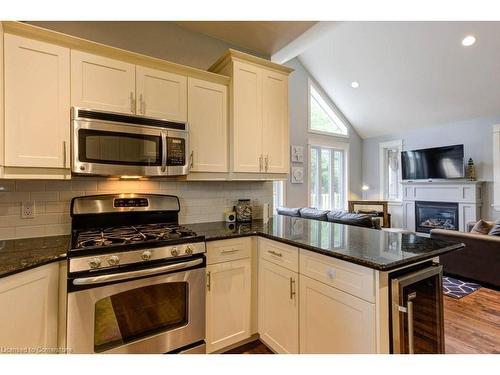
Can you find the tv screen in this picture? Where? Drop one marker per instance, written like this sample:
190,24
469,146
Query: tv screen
439,162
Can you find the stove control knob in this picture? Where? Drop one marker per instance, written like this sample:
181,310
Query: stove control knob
174,251
146,255
189,249
95,263
113,260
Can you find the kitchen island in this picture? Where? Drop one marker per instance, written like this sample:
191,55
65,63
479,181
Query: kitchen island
307,286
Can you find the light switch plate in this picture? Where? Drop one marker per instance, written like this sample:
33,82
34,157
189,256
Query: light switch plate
28,210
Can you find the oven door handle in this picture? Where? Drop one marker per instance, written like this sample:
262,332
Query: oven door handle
163,151
134,274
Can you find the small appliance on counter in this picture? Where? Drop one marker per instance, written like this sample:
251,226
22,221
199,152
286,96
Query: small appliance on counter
243,210
230,216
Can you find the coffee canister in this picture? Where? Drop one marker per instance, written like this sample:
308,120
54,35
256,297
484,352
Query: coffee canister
243,210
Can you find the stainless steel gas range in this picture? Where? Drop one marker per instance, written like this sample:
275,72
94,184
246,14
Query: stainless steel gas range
136,279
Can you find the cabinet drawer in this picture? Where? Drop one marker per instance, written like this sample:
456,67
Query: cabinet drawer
279,253
226,250
351,278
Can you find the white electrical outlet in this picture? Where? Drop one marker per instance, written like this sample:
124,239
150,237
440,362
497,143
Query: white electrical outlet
28,210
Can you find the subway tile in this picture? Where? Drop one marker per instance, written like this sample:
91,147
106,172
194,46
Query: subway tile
58,185
14,197
7,234
45,196
57,229
53,207
68,195
84,185
10,209
30,185
7,186
30,231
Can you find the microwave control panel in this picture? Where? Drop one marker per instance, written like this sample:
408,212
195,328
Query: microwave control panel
176,151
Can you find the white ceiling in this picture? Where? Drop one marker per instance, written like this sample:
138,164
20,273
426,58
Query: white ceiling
411,74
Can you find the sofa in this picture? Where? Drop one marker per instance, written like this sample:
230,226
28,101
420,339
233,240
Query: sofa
333,216
479,261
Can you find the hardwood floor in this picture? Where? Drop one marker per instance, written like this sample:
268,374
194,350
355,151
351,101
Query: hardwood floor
254,347
472,323
471,326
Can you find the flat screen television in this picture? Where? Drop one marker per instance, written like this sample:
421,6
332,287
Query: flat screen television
433,163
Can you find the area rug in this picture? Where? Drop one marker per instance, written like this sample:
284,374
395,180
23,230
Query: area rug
457,288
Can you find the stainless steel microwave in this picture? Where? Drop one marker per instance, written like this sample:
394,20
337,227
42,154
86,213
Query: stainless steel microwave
119,145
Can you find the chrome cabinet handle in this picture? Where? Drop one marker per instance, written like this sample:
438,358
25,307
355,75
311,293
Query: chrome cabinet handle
292,288
142,107
229,251
411,336
272,252
260,163
191,159
134,274
209,281
64,154
266,163
132,102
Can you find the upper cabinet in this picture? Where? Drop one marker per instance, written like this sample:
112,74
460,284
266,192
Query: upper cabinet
259,113
37,106
111,85
101,83
207,118
161,94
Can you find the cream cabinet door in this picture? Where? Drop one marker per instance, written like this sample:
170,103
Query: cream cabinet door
335,322
101,83
247,118
278,308
275,133
29,308
161,94
37,109
207,118
228,303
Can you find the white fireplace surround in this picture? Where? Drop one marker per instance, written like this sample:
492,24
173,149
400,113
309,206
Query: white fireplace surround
468,195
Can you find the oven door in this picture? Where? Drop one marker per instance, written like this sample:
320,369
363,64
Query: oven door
157,314
110,149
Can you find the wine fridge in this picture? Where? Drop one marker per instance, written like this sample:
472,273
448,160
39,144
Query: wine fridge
417,311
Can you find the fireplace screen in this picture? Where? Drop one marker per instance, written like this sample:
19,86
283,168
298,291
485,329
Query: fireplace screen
436,215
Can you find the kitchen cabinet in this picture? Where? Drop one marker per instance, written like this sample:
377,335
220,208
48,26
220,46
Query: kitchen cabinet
332,321
278,307
99,82
37,106
228,295
259,141
207,119
29,308
161,94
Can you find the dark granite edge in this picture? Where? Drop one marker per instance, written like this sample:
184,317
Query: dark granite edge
38,263
359,261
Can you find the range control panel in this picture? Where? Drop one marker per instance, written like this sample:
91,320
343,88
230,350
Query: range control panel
130,202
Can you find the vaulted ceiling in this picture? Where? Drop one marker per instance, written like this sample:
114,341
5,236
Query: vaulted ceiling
410,74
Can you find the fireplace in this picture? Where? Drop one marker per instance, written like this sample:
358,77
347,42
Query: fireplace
435,215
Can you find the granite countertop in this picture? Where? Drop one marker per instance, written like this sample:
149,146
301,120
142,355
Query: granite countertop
23,254
377,249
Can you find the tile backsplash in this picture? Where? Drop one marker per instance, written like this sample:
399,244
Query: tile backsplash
200,201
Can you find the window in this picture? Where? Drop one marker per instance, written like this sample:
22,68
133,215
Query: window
322,116
327,173
390,170
278,195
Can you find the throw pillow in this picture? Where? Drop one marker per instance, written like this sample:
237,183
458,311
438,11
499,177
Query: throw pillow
481,227
495,231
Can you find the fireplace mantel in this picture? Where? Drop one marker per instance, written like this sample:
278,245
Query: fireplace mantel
468,195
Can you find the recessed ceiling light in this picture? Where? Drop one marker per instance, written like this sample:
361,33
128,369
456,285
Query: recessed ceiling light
468,41
354,85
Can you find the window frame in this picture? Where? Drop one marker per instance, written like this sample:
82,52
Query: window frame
282,194
332,107
383,147
344,146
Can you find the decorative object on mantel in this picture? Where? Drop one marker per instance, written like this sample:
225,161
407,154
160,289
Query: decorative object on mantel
297,175
471,170
297,154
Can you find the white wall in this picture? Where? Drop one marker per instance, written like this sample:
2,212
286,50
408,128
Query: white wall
297,194
475,135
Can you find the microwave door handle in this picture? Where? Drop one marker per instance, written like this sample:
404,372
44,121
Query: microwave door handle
163,151
134,274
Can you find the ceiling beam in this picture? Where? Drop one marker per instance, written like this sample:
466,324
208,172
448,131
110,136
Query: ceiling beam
300,44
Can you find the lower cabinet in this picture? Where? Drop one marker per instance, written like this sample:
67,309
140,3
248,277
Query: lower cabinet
228,303
332,321
29,309
278,307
